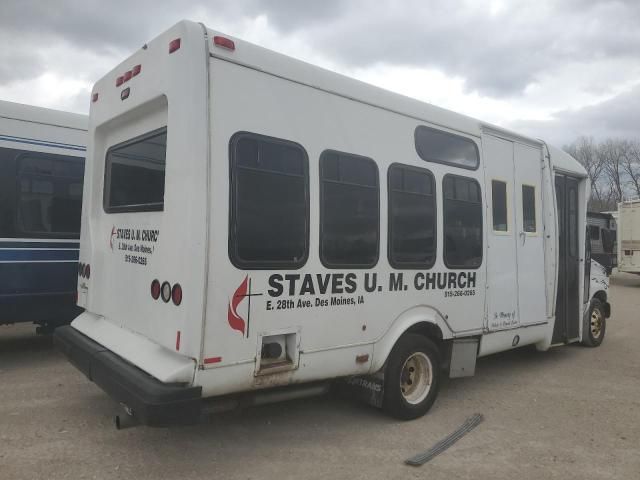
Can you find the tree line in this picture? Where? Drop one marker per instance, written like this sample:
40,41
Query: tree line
613,165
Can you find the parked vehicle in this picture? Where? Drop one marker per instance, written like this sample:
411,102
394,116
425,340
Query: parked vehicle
602,236
629,236
251,221
41,170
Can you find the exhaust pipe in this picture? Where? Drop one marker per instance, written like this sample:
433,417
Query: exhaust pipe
125,421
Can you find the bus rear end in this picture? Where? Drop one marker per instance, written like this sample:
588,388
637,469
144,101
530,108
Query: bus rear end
143,233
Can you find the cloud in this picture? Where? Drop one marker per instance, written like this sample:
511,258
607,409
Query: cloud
618,117
511,62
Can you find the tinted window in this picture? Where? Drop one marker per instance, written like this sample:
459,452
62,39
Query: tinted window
412,217
499,205
594,232
349,210
442,147
134,174
269,202
462,212
528,208
49,194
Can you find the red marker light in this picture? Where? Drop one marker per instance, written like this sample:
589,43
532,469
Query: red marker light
128,75
94,97
224,43
119,81
155,289
174,45
176,294
136,70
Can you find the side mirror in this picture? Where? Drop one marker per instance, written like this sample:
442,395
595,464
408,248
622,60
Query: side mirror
607,240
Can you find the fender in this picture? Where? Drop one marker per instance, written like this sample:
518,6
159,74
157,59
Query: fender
420,314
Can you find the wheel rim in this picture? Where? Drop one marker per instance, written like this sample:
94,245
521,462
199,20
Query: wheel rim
596,323
415,378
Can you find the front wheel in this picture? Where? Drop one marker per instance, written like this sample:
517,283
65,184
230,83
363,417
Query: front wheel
411,377
595,325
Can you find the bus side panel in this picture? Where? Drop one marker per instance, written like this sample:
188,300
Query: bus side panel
245,305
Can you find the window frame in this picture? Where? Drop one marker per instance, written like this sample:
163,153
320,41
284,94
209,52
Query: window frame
424,156
535,232
232,244
482,229
106,192
508,231
323,260
411,265
19,231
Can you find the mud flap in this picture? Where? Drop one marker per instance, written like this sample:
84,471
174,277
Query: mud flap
366,388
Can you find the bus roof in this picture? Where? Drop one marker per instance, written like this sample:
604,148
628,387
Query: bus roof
30,113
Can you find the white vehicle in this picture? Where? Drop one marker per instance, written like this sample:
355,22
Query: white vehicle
629,236
252,221
41,170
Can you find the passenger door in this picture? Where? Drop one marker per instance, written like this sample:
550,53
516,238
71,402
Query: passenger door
530,234
567,324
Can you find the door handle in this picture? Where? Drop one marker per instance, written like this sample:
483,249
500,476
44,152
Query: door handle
523,237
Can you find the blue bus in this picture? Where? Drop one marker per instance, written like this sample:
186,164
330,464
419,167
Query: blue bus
41,175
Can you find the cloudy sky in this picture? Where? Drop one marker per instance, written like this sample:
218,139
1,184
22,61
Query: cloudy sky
551,69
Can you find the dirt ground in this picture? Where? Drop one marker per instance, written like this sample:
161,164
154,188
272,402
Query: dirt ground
572,412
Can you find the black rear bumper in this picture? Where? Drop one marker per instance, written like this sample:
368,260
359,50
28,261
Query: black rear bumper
151,402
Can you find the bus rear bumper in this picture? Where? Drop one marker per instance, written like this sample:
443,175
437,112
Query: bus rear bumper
149,401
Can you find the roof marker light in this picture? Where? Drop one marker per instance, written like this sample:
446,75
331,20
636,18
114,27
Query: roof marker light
224,42
119,81
128,75
174,45
94,97
136,70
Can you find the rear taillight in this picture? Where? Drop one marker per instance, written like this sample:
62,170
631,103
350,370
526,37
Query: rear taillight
176,294
155,289
174,45
119,81
165,292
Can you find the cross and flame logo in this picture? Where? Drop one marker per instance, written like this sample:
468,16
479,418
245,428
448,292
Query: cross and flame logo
235,320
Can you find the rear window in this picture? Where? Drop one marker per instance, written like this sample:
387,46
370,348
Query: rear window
134,174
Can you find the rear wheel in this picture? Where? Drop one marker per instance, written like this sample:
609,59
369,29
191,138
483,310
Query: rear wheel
411,377
595,325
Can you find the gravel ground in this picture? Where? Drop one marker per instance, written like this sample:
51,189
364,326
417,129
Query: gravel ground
572,412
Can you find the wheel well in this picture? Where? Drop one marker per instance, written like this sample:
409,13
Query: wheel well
429,330
600,295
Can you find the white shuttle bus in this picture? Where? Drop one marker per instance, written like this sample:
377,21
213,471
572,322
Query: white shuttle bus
629,236
252,222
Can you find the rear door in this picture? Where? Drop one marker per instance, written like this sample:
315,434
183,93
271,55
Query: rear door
529,229
502,267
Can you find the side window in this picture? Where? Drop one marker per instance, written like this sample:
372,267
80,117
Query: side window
529,208
499,206
462,212
412,217
443,147
594,232
349,210
269,214
49,195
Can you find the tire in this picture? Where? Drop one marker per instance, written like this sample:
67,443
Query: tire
595,325
411,377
